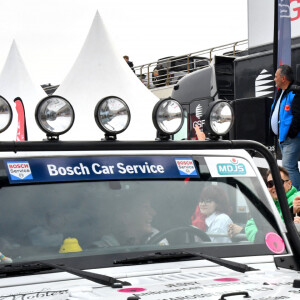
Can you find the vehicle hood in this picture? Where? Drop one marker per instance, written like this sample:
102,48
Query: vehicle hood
168,284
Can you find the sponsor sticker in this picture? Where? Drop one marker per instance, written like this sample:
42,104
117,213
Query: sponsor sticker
19,170
132,290
274,242
53,169
234,167
226,279
186,166
229,167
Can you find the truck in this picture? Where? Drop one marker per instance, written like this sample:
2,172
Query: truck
110,219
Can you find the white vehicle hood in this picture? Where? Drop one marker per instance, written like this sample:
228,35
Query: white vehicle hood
170,284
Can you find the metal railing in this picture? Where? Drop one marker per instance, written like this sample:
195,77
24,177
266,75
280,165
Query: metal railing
167,71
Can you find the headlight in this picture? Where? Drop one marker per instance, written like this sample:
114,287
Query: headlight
5,114
167,116
219,118
54,115
112,115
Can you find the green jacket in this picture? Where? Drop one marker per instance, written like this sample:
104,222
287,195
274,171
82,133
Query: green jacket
251,228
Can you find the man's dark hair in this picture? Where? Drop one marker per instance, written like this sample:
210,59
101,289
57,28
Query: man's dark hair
281,169
287,71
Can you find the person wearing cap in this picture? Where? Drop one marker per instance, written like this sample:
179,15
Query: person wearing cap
291,194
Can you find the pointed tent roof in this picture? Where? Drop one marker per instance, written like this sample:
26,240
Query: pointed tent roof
98,72
15,81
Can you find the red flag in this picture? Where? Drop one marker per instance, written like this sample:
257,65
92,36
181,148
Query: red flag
21,130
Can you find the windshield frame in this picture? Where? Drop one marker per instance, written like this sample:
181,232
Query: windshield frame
90,263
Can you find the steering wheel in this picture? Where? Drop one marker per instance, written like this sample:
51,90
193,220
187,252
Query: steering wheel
192,230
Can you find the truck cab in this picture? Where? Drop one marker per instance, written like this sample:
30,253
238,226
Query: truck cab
113,219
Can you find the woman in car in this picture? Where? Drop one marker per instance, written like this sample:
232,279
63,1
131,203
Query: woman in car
214,204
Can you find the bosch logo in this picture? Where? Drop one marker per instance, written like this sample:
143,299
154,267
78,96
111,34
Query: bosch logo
19,170
186,167
185,162
18,166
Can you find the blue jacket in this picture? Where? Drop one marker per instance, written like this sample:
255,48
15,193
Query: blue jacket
289,115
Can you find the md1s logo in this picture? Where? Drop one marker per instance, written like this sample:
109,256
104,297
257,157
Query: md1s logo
232,168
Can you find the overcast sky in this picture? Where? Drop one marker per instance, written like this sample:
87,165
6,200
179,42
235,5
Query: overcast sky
50,33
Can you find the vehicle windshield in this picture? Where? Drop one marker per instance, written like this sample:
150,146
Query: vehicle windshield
62,218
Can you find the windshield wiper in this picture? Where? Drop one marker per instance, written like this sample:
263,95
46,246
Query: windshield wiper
31,268
162,257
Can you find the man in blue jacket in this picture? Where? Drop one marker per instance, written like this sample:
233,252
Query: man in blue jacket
285,122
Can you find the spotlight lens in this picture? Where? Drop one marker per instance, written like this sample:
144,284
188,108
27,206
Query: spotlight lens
221,118
55,115
112,115
169,116
5,114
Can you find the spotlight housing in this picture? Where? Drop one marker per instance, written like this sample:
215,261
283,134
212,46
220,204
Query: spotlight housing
55,116
219,118
112,116
167,117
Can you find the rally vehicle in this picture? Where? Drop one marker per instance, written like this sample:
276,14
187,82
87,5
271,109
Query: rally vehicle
113,219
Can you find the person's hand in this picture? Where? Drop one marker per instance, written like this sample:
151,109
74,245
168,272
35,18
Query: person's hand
296,205
296,219
200,134
234,229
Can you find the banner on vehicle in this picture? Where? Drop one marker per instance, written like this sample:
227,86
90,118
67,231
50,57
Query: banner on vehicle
99,168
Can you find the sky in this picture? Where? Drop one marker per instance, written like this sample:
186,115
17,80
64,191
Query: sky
50,33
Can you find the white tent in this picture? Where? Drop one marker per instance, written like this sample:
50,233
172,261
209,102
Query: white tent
15,81
98,72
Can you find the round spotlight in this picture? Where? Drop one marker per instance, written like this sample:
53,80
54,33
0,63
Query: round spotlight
219,118
5,114
167,116
112,115
54,115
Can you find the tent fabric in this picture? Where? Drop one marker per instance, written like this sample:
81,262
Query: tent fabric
98,72
15,81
